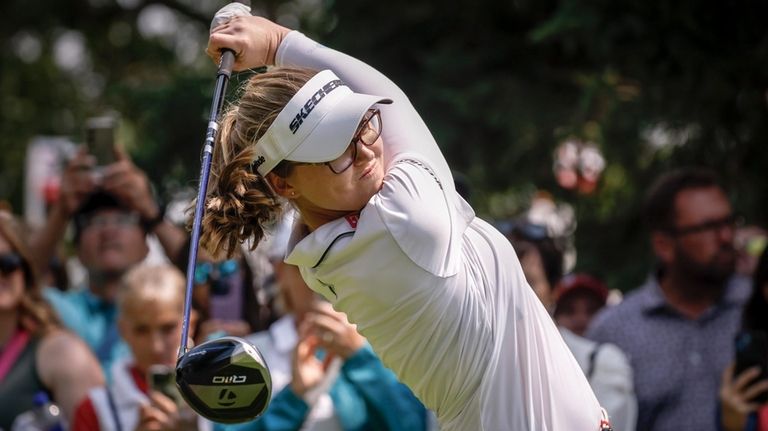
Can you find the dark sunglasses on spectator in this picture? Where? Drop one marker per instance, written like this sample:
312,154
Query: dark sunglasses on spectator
728,221
122,219
9,263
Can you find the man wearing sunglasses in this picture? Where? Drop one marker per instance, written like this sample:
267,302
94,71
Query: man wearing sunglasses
678,328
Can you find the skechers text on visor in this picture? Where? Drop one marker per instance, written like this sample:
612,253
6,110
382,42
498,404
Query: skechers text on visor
317,124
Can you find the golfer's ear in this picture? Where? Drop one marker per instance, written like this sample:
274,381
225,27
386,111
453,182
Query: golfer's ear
281,186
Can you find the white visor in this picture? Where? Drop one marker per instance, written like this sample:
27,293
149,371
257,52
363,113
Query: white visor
317,124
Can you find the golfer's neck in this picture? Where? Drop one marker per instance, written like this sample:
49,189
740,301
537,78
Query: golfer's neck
315,217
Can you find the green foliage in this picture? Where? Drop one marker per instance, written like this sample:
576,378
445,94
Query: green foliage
499,83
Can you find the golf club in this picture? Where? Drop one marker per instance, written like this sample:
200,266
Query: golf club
225,380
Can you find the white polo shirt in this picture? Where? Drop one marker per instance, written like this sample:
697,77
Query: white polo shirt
439,293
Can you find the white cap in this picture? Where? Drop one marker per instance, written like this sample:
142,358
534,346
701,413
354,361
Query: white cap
316,125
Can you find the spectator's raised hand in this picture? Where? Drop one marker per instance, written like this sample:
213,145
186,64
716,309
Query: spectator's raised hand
130,185
737,396
307,369
162,413
77,182
333,330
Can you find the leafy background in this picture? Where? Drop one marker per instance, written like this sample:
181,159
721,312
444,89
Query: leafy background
654,84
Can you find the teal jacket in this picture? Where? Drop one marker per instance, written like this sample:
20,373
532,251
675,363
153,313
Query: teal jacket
93,320
366,396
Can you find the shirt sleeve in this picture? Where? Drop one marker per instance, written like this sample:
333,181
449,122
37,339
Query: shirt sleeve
426,222
85,418
390,401
403,129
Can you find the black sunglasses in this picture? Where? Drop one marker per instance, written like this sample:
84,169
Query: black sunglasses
9,263
712,225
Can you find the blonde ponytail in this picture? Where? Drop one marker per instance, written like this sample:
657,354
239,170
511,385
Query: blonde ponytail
239,204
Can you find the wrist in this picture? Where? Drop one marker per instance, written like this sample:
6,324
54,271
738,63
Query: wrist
60,213
151,221
276,44
298,390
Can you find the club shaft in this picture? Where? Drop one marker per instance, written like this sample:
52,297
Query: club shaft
222,77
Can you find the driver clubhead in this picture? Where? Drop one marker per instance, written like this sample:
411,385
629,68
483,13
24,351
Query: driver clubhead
225,380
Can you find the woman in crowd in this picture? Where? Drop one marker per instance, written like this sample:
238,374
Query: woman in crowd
35,355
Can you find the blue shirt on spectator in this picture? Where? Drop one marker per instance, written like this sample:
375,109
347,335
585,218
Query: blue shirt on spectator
678,362
92,319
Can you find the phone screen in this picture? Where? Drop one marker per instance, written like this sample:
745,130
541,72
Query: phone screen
752,351
100,139
162,379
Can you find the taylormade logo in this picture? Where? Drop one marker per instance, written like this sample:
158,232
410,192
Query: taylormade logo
229,379
313,101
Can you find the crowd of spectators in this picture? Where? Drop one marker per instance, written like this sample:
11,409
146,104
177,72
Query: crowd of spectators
661,358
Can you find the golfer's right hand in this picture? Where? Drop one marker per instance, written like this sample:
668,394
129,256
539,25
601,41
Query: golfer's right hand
253,39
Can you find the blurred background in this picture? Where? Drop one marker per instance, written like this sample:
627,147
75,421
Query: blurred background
581,101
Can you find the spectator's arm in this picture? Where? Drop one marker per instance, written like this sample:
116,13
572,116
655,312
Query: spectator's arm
68,369
132,188
391,401
77,182
174,241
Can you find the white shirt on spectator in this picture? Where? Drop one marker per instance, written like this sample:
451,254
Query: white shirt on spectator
610,376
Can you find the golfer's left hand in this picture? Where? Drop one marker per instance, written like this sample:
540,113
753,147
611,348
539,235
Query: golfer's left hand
253,39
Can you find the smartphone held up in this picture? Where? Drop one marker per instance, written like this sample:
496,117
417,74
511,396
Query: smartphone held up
752,351
162,378
100,138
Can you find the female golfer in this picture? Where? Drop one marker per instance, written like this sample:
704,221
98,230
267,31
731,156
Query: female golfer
384,236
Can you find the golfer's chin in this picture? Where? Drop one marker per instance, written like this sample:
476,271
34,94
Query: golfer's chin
367,191
358,202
